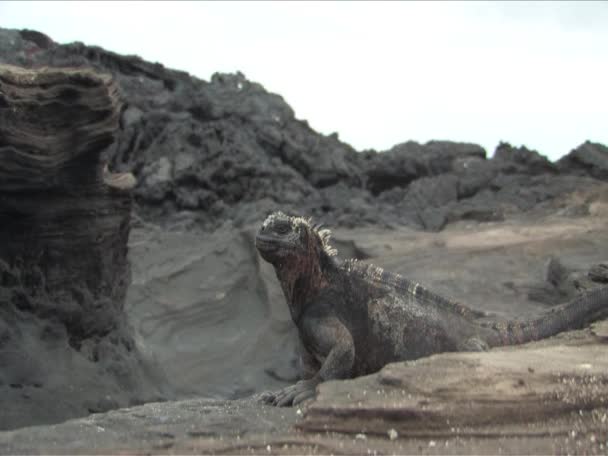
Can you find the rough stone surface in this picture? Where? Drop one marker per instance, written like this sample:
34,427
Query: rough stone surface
65,345
209,310
555,390
229,149
544,398
589,159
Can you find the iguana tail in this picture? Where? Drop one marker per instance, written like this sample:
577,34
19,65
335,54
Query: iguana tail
577,313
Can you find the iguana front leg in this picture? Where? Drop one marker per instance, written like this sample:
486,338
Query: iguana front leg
330,342
308,365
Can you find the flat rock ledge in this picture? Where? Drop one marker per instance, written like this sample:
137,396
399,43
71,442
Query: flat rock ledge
548,397
65,347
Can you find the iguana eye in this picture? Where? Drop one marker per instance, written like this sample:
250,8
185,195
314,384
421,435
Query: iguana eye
283,228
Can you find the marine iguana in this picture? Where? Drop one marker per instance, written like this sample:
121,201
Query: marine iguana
355,318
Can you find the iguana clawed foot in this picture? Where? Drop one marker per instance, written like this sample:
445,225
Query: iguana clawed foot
291,395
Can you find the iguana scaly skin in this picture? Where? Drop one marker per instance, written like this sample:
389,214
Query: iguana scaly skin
355,318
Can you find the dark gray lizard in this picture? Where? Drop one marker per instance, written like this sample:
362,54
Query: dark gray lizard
355,318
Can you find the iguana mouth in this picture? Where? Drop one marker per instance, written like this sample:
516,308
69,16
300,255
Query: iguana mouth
266,244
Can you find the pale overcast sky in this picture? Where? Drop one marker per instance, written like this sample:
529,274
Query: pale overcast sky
377,73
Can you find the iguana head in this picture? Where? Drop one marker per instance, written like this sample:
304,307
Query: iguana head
282,238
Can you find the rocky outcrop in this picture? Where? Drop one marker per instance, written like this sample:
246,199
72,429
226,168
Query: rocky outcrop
65,347
229,149
405,163
590,159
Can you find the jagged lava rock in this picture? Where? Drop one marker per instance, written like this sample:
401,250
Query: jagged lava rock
229,149
409,161
65,346
589,159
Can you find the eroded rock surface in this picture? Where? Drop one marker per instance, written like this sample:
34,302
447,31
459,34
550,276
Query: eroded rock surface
65,346
211,311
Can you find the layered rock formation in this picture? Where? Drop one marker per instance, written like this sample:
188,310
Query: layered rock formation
65,346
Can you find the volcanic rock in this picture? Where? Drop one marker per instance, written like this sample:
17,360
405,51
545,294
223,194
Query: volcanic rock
227,149
589,159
